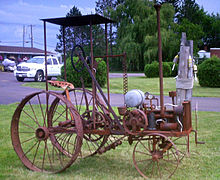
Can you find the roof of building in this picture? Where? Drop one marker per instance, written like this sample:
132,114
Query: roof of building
79,20
214,49
203,54
22,50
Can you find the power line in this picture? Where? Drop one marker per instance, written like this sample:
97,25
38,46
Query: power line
22,24
12,41
43,44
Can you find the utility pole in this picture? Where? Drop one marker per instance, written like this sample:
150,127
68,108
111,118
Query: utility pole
32,43
23,35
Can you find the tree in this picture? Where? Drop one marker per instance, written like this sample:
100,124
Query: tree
211,28
80,35
193,31
73,35
190,15
104,7
137,32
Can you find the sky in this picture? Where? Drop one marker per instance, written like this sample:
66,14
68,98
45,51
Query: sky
16,14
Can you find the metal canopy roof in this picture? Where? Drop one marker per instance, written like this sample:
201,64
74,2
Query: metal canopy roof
79,20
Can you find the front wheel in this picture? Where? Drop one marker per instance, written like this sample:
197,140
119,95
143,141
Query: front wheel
39,77
40,143
20,79
155,156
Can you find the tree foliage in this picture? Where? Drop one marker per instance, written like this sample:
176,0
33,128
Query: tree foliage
73,35
104,7
137,32
188,14
80,35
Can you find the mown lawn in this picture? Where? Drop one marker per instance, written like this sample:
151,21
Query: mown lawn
203,163
145,84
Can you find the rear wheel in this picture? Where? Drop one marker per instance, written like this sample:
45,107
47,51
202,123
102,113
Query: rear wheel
83,102
39,77
20,79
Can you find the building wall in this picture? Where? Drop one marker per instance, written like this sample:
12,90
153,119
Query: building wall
215,52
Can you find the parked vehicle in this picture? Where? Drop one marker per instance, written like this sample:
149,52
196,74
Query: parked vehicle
35,68
9,65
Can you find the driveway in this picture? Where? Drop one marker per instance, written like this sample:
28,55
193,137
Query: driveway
12,91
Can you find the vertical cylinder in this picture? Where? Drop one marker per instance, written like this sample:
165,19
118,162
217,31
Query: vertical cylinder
107,61
32,43
45,54
64,53
157,7
187,118
93,73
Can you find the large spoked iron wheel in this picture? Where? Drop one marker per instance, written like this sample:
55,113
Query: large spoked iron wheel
155,156
83,102
33,131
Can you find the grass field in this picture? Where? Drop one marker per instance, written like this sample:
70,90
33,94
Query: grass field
203,163
145,84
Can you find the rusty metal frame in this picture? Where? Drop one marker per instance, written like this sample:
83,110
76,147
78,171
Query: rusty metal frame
115,123
96,86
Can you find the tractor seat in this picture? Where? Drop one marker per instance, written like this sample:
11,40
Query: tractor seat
62,84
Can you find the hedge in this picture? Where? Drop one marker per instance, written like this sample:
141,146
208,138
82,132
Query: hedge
152,70
74,76
209,72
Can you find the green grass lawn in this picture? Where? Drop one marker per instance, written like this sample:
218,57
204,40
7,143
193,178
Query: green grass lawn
145,84
203,163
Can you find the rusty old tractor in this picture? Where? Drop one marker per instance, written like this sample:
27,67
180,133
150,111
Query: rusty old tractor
50,130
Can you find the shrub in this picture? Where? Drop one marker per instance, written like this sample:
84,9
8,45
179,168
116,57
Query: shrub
175,71
152,70
166,69
209,72
74,76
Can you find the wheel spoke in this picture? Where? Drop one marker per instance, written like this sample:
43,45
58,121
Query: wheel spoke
60,114
144,146
158,167
143,153
35,154
30,149
174,155
39,101
27,125
153,169
48,154
144,160
44,155
36,121
28,140
27,132
29,115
